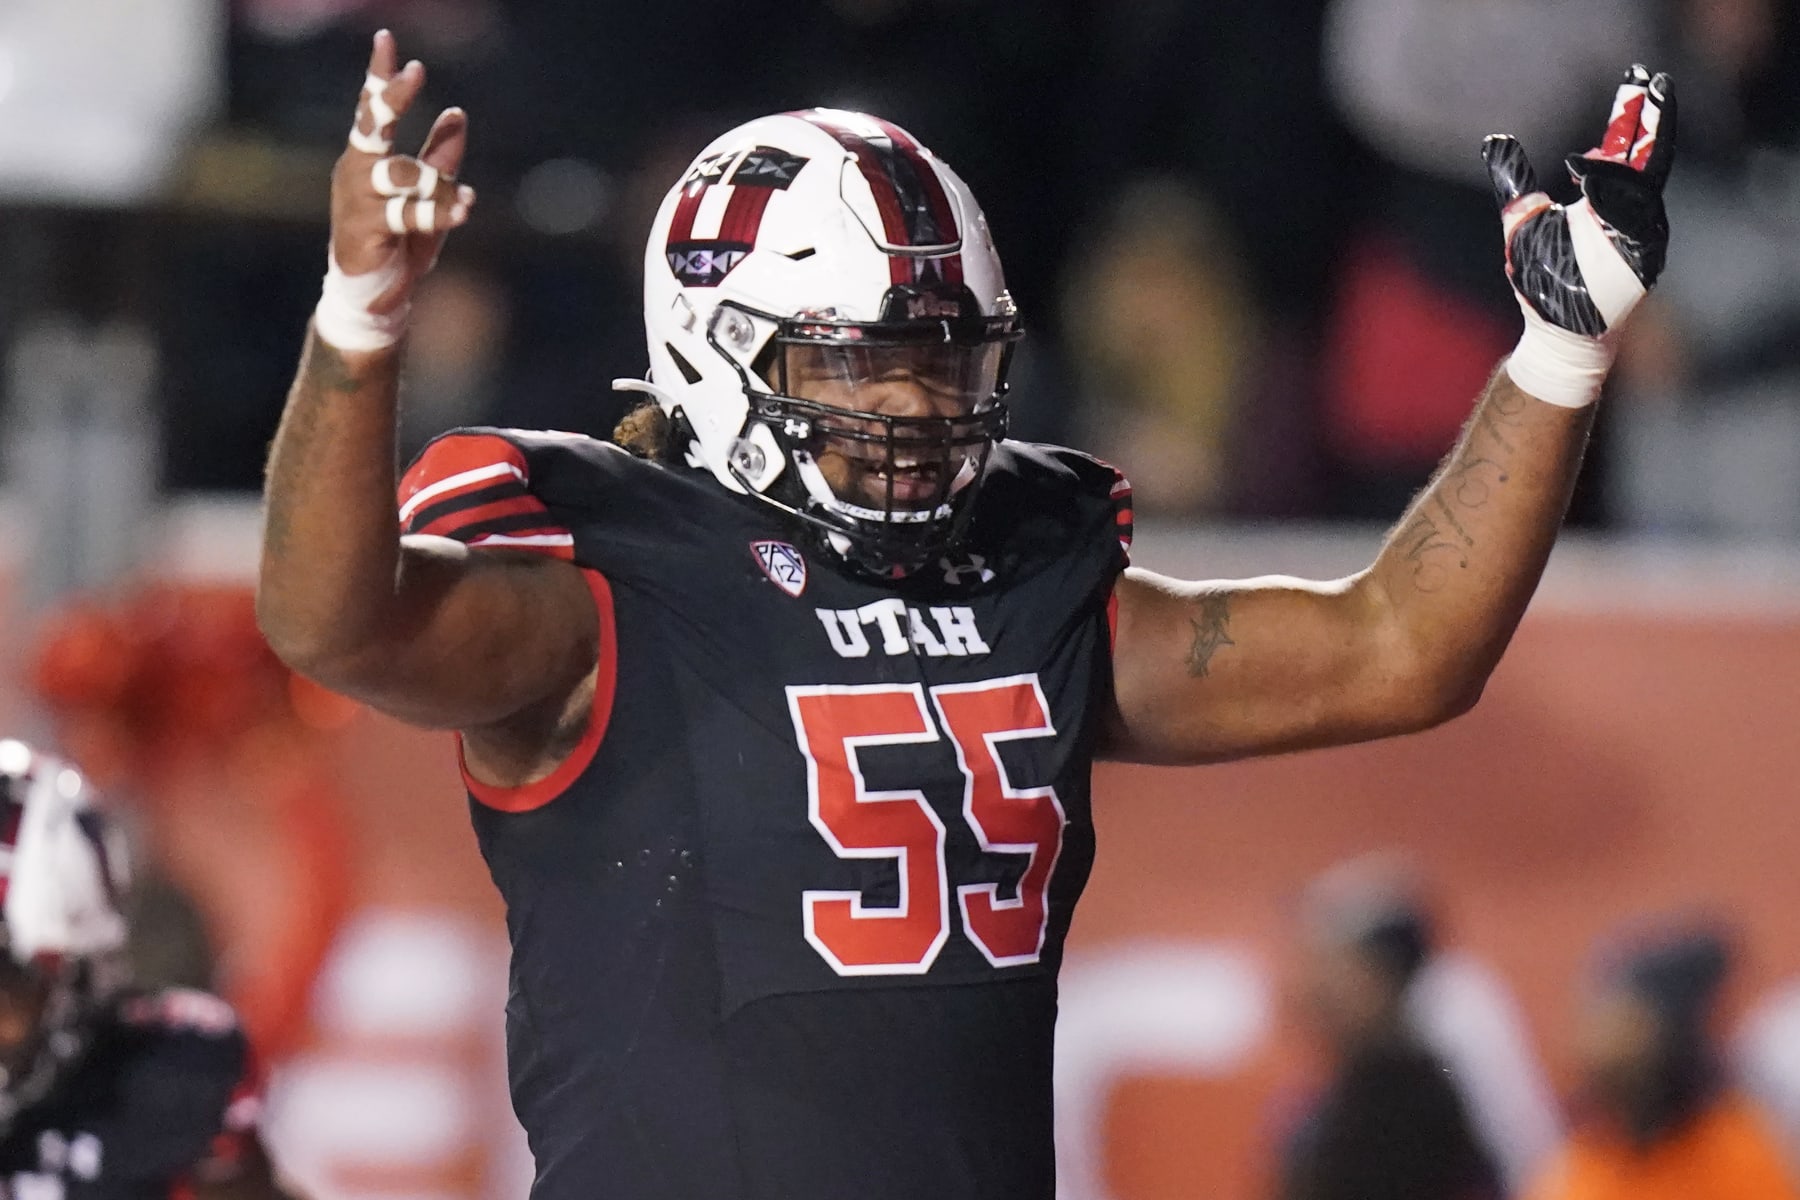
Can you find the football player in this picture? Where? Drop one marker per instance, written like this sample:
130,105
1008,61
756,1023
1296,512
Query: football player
778,730
107,1092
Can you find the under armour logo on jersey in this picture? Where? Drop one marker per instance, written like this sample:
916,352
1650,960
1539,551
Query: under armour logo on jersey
974,564
782,564
936,632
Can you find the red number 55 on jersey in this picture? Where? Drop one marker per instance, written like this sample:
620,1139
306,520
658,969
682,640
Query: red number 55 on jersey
832,724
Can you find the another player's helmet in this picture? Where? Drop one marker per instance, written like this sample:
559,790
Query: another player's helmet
831,246
62,871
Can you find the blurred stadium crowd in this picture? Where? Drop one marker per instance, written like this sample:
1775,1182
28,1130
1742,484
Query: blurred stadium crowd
1257,254
1254,243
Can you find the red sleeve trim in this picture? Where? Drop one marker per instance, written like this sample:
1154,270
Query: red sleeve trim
1112,618
531,796
1122,519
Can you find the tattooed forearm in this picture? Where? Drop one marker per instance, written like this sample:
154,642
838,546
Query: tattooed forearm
330,539
1444,529
1458,570
1473,478
326,369
1210,634
304,434
1449,515
1427,548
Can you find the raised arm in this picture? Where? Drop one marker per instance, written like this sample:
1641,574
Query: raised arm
1211,671
418,627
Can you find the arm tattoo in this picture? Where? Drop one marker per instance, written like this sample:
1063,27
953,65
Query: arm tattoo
1421,540
305,423
1209,633
1434,535
330,371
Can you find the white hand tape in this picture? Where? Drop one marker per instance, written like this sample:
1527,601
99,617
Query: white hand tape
381,178
343,318
1611,283
381,139
1556,366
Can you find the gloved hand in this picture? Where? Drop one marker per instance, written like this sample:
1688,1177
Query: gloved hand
1578,271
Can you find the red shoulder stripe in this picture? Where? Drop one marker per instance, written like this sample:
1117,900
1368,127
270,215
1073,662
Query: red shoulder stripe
476,488
434,519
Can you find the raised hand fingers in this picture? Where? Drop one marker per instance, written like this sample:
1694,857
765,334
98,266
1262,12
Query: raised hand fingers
1515,184
1640,132
1661,102
419,197
448,139
386,95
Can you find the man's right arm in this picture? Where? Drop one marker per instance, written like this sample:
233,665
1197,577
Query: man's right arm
418,627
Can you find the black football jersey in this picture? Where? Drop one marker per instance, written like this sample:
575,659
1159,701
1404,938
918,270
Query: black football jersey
786,925
163,1091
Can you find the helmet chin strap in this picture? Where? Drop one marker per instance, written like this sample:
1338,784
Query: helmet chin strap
647,388
758,460
822,494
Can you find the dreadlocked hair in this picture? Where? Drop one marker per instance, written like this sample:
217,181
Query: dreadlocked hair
647,432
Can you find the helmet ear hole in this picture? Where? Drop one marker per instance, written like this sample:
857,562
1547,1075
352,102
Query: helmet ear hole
763,367
688,371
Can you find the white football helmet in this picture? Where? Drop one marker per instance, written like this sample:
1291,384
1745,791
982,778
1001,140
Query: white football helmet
63,872
831,245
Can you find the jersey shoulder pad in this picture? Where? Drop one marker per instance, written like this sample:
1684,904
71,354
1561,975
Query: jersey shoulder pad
494,488
1093,479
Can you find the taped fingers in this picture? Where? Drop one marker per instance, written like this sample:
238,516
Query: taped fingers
386,95
424,182
374,111
445,208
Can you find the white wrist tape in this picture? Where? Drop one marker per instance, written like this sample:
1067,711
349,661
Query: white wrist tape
1559,367
343,318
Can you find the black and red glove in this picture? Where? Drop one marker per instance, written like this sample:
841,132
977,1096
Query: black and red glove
1578,271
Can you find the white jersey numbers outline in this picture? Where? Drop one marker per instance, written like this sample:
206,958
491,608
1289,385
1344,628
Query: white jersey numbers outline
858,823
1006,819
831,724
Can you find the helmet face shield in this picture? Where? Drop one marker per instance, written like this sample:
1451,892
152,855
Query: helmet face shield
886,423
948,381
898,427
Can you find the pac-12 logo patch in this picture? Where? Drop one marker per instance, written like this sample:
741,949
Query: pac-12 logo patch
782,564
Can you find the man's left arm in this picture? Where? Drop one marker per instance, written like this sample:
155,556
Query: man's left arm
1211,671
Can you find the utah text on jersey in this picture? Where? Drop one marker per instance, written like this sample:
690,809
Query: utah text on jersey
902,629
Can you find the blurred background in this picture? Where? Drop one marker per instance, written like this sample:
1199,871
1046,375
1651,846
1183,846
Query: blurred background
1261,269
